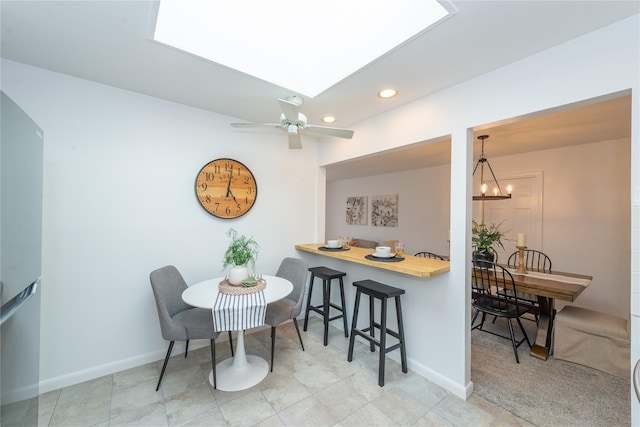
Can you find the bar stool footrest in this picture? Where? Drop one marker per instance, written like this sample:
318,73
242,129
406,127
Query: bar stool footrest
375,340
318,309
336,306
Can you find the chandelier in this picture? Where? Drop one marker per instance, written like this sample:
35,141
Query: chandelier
496,194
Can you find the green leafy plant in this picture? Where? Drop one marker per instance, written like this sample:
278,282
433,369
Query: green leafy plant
241,250
484,237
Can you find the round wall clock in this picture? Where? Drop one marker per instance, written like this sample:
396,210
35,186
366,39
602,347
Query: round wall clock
226,188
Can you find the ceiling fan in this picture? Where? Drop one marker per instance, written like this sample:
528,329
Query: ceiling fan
293,121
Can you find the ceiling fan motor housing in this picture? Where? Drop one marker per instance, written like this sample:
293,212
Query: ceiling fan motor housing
301,122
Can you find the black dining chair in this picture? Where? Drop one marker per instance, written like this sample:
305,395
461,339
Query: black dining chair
431,255
533,260
494,292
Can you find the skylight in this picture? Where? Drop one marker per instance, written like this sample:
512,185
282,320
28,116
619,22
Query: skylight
303,46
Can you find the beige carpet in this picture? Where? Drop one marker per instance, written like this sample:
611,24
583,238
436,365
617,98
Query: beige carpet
545,393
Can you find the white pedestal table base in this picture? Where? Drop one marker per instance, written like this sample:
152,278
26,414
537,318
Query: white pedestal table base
241,371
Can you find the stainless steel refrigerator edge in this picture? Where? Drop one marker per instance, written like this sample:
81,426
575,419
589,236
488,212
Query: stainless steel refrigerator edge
21,160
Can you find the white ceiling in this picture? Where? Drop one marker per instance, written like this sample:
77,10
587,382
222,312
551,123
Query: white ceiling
602,120
110,42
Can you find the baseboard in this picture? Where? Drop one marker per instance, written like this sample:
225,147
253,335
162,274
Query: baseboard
461,391
107,369
120,365
458,390
78,377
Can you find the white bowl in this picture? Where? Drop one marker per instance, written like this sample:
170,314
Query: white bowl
383,251
333,243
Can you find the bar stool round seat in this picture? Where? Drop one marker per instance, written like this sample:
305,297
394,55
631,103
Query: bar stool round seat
327,275
375,290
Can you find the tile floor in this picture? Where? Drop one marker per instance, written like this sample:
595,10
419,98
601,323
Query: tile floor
317,387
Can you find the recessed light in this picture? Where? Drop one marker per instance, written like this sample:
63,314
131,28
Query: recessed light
387,93
328,119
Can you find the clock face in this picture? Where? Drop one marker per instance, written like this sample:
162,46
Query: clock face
226,188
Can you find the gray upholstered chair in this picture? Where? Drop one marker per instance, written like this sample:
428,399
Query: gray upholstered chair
178,320
362,243
295,271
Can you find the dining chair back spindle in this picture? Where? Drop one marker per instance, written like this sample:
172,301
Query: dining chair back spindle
533,260
431,255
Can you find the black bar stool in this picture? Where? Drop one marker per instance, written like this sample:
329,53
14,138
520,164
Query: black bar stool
383,293
327,275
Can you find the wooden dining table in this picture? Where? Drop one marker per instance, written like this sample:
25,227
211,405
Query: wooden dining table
548,287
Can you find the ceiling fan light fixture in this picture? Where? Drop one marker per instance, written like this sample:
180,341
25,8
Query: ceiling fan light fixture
387,93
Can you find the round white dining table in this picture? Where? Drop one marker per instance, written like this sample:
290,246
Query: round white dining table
241,371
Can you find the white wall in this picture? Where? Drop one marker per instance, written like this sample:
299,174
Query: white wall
597,64
423,208
586,216
586,213
119,202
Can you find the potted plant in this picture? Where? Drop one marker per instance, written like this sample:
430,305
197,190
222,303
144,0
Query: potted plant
242,251
484,237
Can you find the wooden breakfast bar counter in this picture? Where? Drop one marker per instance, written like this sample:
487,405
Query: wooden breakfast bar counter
411,265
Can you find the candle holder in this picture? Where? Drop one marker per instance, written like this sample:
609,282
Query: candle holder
521,269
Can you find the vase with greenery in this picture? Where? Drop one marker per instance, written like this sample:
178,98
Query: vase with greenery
241,252
484,238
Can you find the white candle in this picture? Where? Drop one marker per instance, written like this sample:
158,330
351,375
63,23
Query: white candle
522,240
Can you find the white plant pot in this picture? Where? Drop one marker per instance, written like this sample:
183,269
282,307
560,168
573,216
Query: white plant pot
237,274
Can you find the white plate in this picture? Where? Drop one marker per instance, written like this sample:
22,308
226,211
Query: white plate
391,255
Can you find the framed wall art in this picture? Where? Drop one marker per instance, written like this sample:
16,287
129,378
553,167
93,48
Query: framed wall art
357,210
384,211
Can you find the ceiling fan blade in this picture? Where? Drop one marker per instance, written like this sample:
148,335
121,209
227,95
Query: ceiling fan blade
294,140
325,130
256,125
289,109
